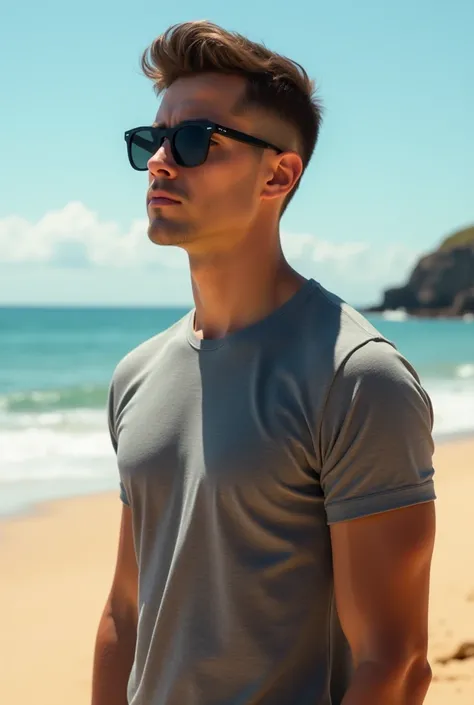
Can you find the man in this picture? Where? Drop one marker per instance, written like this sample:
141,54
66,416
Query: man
274,451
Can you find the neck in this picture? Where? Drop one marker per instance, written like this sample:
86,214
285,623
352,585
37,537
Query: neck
235,288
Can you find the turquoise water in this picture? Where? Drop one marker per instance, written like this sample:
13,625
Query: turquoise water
56,364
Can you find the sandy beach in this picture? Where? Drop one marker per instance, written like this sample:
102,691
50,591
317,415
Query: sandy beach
57,565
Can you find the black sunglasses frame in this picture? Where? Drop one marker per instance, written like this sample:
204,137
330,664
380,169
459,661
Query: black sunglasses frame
162,133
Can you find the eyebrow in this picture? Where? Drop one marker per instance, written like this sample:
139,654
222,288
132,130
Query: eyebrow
190,119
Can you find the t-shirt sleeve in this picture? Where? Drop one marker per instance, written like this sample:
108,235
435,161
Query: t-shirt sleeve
113,436
123,494
376,436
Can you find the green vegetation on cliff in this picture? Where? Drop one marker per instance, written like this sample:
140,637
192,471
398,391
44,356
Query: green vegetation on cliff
462,238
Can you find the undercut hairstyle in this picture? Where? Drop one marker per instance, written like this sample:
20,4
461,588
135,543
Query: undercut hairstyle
274,83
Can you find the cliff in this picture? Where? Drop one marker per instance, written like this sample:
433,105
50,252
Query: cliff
442,282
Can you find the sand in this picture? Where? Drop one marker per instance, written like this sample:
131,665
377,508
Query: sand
57,566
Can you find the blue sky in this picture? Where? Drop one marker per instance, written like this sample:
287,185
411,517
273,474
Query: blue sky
392,175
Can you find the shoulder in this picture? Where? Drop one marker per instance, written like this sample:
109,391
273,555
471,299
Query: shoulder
377,406
132,368
356,348
378,381
376,362
340,325
338,340
358,375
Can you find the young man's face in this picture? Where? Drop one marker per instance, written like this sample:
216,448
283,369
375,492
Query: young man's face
220,199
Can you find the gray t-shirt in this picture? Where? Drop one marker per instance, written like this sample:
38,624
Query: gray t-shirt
235,455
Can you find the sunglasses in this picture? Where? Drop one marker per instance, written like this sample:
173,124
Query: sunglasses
189,142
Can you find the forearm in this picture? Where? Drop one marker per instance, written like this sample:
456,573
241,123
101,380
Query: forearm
374,683
113,659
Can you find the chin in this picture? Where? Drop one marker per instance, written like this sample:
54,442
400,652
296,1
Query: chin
163,232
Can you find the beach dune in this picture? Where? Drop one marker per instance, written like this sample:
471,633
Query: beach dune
57,565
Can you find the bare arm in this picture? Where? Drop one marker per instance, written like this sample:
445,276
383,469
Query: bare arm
116,636
381,572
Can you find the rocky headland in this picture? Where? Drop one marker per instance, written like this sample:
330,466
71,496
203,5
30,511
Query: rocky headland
440,285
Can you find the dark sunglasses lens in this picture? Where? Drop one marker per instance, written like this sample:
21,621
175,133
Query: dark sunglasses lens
143,145
191,143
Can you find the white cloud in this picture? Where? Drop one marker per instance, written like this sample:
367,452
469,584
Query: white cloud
305,246
354,265
76,237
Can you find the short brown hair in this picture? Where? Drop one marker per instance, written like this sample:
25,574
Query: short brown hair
275,83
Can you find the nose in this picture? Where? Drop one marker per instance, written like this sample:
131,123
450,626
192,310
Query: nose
162,163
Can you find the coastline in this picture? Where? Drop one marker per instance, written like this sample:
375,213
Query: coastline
60,556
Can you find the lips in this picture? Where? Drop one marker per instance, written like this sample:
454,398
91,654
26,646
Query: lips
162,201
162,197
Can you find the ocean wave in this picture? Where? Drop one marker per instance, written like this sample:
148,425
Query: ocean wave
37,401
39,452
398,315
53,445
453,403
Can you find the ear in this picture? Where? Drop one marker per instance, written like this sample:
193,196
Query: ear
284,173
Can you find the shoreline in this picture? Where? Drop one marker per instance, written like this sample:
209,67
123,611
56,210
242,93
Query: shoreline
60,558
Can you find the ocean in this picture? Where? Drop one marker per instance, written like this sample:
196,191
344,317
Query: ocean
56,365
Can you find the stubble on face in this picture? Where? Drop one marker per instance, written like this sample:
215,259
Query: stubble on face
166,231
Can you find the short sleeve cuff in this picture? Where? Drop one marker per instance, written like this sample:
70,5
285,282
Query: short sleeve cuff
123,495
398,498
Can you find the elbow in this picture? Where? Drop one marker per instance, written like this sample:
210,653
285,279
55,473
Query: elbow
402,680
119,617
418,680
411,678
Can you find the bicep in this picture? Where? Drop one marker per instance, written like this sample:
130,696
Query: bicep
381,576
